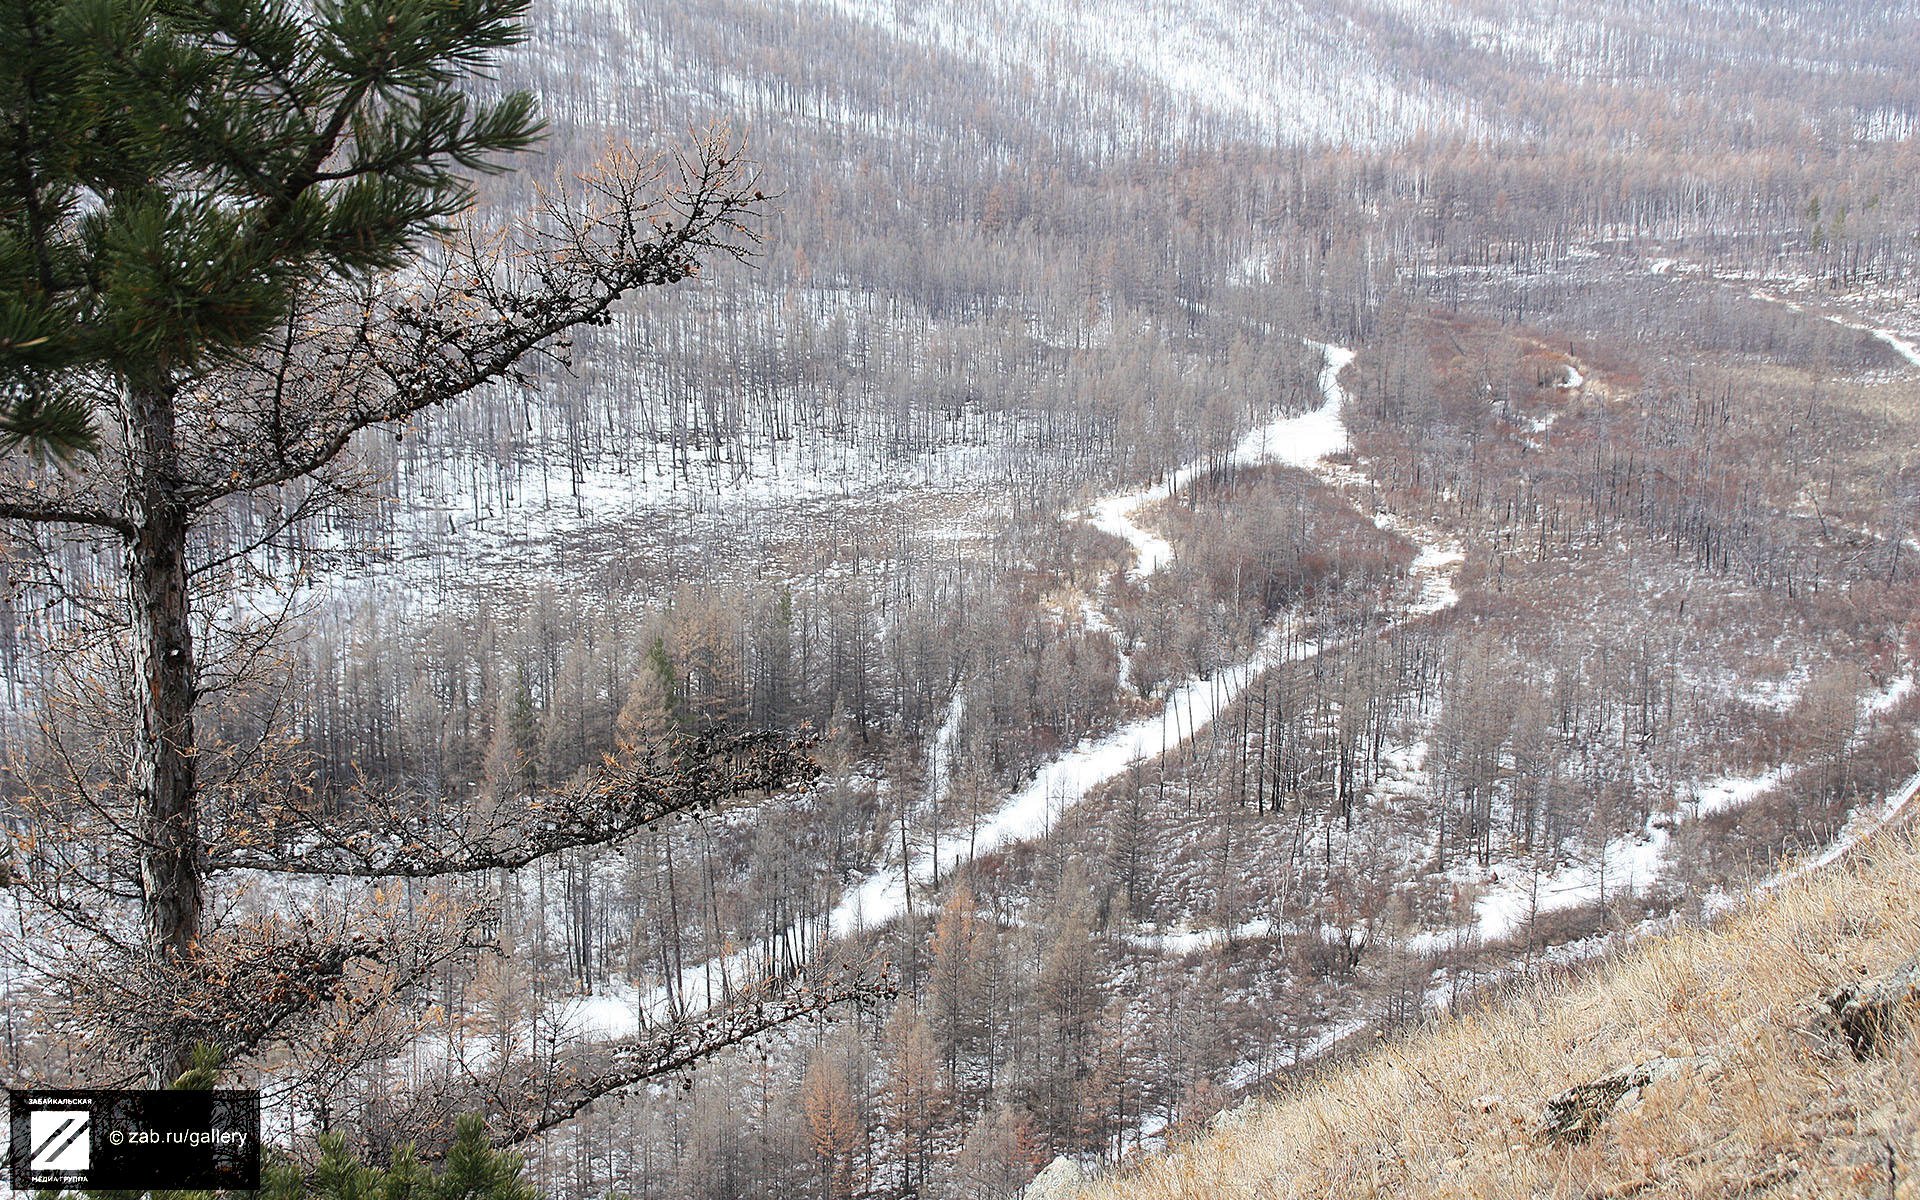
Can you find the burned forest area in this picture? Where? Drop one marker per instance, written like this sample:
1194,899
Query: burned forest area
1143,550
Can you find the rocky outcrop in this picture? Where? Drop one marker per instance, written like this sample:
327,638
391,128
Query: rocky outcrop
1059,1181
1870,1015
1867,1017
1576,1114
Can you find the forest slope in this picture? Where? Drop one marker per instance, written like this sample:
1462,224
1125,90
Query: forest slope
1758,1092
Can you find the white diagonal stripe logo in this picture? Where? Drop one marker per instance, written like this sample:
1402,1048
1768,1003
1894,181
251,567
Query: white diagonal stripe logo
58,1139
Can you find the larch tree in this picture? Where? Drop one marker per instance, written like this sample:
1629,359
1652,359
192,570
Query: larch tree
234,234
833,1124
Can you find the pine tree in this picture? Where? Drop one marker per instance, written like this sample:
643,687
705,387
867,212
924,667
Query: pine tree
473,1169
234,234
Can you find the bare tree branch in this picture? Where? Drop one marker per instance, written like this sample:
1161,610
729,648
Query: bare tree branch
541,1091
367,360
400,837
57,512
596,1071
261,981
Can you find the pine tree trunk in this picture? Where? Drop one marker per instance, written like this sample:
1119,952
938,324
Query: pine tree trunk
163,783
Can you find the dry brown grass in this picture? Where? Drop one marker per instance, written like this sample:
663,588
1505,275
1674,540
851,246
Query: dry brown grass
1452,1110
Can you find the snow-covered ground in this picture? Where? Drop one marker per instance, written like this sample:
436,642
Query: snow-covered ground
1282,73
1501,912
1862,825
559,520
1179,942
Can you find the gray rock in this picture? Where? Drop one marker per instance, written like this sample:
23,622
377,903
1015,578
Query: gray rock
1061,1179
1576,1114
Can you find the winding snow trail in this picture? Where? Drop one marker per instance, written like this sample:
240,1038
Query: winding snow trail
1187,708
1300,441
1901,346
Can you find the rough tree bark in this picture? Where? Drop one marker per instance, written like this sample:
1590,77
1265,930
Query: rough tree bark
162,783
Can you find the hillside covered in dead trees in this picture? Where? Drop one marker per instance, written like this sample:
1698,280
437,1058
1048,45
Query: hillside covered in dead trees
1196,538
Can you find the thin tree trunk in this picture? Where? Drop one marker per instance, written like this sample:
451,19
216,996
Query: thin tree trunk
163,777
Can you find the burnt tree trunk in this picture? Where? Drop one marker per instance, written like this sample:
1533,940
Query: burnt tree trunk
162,783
